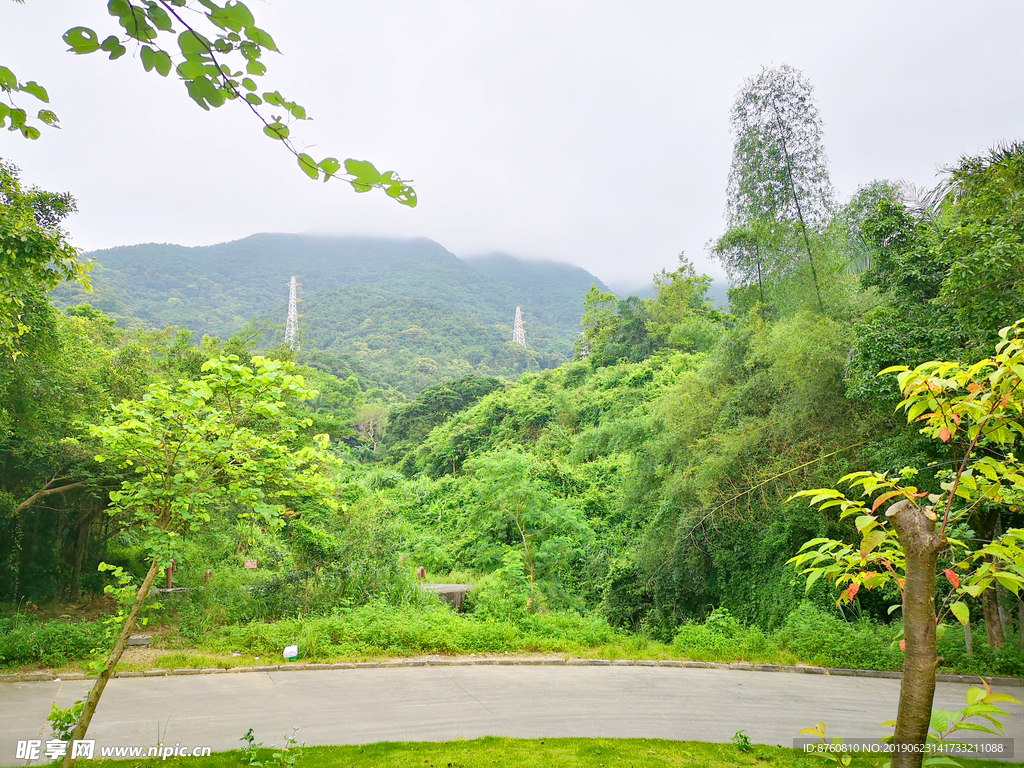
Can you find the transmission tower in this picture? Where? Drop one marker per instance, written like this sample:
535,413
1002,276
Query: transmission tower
518,332
291,326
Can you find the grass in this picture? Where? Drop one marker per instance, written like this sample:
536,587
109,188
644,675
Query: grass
184,660
380,631
526,753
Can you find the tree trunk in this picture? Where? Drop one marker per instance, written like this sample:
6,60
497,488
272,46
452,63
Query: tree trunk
112,659
921,547
76,549
985,526
799,209
969,639
1020,622
993,623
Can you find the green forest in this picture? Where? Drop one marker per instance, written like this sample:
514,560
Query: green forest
622,487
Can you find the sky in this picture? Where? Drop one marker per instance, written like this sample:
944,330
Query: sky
593,132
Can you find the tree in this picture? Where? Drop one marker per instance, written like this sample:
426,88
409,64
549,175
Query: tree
614,329
778,172
682,315
216,51
516,505
371,424
35,256
984,241
749,255
230,437
598,322
978,409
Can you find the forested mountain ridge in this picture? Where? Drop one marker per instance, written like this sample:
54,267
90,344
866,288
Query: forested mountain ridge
407,313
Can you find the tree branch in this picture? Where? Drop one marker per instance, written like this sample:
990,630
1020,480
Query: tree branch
44,492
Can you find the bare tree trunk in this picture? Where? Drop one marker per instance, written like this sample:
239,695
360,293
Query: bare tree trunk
993,623
921,546
112,659
969,639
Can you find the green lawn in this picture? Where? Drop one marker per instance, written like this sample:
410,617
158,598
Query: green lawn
521,753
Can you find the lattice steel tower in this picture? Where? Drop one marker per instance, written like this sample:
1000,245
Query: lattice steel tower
291,326
518,332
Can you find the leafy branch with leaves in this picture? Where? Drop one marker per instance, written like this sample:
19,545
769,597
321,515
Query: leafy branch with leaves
217,52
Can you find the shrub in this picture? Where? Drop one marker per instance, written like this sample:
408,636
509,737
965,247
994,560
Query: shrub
822,639
25,641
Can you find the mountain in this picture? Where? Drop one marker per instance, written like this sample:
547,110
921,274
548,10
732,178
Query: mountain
401,313
554,285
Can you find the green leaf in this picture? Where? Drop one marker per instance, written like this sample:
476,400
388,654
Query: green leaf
239,14
401,192
82,40
35,89
309,166
190,69
975,695
249,84
253,99
119,8
366,174
815,575
163,63
974,727
865,521
190,43
1009,581
261,38
161,20
330,166
871,541
203,92
276,130
7,80
113,46
148,56
255,68
940,720
961,611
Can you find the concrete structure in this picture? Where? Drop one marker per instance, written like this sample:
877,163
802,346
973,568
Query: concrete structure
453,594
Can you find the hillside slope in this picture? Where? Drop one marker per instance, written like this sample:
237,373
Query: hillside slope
408,313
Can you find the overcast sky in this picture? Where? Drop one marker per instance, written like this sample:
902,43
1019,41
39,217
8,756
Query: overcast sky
591,132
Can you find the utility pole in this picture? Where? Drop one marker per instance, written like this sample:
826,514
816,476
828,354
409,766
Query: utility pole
518,331
291,326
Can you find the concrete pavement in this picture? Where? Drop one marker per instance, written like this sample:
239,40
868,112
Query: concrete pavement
445,703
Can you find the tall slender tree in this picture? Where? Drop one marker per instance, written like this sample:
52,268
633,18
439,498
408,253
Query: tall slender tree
779,172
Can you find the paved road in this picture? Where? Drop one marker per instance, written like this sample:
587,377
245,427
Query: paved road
444,703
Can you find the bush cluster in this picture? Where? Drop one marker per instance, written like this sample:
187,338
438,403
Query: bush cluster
26,641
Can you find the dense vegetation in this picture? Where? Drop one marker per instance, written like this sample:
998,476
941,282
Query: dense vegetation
634,498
